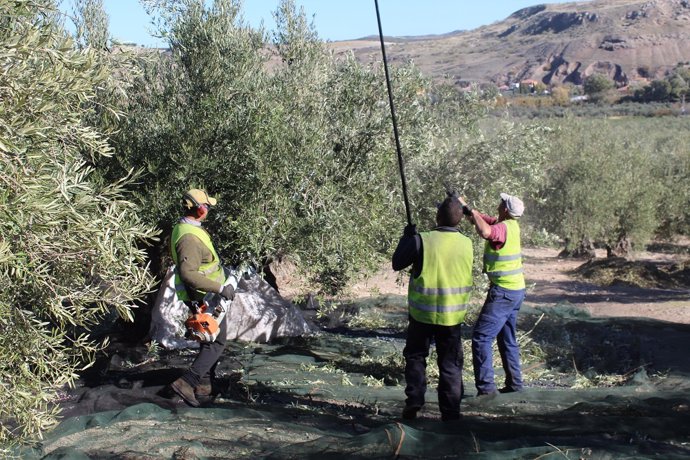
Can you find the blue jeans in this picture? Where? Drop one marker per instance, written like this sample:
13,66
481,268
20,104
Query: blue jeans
497,320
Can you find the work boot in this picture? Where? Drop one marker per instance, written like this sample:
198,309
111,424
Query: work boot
204,390
410,412
185,391
508,390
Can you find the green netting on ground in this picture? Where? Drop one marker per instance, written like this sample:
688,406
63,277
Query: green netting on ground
594,430
597,389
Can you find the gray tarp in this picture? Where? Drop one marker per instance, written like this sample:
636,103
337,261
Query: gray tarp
258,314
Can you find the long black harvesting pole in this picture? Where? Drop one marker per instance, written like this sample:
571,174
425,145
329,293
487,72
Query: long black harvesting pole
395,122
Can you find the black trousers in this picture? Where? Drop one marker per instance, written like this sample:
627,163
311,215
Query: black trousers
450,360
209,353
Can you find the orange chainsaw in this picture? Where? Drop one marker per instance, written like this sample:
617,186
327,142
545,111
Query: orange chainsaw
203,325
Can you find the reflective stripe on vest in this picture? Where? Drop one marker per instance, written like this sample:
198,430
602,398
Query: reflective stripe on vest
504,266
211,270
497,258
441,292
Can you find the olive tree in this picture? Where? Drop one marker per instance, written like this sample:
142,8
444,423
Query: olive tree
69,248
668,138
91,24
601,188
296,144
190,117
656,91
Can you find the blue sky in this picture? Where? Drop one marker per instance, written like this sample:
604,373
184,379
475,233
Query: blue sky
340,19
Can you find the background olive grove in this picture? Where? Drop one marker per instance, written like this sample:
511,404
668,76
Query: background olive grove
615,183
98,143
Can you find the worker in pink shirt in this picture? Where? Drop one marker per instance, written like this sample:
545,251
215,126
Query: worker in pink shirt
498,317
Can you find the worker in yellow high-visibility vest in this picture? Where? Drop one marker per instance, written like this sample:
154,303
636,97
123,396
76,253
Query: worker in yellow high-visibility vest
498,317
438,295
198,271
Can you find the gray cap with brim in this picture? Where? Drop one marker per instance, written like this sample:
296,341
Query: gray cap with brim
514,205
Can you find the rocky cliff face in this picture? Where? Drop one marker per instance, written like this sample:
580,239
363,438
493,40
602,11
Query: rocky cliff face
625,39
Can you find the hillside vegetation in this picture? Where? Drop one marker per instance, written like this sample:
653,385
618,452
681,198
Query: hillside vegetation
553,43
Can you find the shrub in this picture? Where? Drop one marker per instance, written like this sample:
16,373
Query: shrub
596,84
560,95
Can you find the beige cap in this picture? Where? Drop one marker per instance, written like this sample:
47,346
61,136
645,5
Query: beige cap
514,205
196,197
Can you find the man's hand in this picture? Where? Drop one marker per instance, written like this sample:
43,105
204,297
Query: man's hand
466,210
410,230
227,292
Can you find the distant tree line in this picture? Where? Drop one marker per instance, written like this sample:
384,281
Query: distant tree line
597,88
674,87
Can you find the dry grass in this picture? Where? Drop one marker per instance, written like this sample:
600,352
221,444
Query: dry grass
644,274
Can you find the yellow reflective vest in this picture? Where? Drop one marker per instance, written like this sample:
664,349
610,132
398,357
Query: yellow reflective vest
504,266
441,292
212,270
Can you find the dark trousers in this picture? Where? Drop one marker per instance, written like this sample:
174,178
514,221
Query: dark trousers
497,320
209,353
449,351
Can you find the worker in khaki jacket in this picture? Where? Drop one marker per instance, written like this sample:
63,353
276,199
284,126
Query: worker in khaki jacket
498,317
197,272
439,291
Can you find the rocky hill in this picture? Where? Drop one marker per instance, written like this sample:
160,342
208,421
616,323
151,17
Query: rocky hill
553,43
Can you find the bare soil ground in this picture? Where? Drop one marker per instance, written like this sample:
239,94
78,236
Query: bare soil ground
553,280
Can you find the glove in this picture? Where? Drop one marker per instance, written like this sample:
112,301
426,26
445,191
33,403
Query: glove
227,292
410,230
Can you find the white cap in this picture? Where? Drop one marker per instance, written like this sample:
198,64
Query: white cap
514,205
